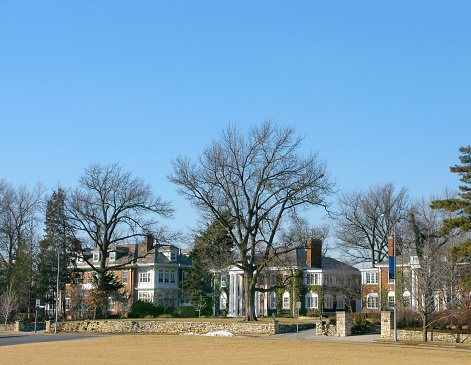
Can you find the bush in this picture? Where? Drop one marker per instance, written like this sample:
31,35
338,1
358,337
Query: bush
142,309
184,312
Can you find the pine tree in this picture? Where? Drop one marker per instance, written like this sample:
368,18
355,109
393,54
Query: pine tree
460,205
58,239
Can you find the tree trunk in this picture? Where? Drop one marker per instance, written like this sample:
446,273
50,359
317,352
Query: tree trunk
424,328
249,291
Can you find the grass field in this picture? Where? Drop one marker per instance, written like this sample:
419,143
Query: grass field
164,349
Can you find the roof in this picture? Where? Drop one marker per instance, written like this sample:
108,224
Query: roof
298,258
137,255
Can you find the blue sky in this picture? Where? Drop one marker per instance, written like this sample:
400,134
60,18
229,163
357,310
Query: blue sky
381,89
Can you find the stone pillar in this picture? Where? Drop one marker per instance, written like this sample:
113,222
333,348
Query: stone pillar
344,324
19,326
387,324
48,326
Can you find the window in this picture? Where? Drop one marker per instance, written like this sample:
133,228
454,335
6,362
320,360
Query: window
406,298
340,302
111,304
391,299
328,301
172,277
372,301
223,281
166,277
372,277
173,256
312,279
285,278
144,276
124,276
145,296
272,300
286,300
222,301
311,300
96,256
67,304
326,279
79,259
112,256
390,279
161,276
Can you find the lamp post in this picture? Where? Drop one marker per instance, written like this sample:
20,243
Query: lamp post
57,287
393,268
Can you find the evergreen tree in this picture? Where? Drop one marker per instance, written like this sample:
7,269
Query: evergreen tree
58,240
460,206
211,252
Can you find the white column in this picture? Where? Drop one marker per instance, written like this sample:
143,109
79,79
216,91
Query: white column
231,295
236,295
265,300
257,303
241,294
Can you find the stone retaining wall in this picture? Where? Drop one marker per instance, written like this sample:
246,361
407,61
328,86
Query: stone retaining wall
159,326
387,332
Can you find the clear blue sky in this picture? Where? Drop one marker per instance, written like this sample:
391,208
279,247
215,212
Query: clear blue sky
381,89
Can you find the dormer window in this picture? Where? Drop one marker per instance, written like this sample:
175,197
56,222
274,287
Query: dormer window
113,256
79,259
96,256
173,256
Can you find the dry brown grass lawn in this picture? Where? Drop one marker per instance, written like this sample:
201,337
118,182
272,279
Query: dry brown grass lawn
164,349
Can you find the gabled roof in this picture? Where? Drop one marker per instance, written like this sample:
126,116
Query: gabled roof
137,255
298,259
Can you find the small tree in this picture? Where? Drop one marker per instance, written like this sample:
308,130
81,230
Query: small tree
8,303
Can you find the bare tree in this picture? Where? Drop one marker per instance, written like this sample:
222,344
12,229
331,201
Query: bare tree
111,207
18,238
300,230
365,219
435,281
8,303
249,182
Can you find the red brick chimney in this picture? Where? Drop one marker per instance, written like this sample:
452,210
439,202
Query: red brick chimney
314,252
149,242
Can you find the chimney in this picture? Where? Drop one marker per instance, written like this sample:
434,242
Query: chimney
314,252
149,242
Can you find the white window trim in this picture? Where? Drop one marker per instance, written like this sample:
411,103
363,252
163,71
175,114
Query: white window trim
145,277
328,301
222,301
312,300
96,256
339,302
371,295
124,272
286,300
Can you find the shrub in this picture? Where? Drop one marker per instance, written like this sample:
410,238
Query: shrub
143,309
184,312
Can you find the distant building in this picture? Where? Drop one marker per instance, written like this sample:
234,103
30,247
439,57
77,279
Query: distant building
149,271
321,284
